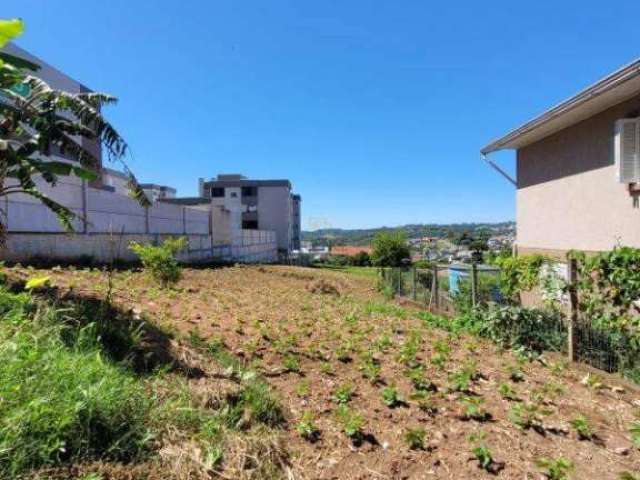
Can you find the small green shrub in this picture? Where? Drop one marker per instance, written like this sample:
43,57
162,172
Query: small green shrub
160,260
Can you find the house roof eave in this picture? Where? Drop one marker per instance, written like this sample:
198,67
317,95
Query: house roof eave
613,89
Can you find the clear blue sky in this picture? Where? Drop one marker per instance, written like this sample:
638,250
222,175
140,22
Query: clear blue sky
375,110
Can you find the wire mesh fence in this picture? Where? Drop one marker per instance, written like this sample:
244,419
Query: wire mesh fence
443,287
451,290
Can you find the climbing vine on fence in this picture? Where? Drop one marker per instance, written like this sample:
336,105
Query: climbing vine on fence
609,288
519,274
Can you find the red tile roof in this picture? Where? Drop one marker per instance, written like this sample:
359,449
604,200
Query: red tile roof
349,251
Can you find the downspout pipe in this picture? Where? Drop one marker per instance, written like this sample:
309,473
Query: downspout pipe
497,168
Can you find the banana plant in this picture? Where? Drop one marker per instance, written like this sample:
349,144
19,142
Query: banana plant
36,119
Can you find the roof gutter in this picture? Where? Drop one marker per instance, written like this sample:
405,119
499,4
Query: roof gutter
615,79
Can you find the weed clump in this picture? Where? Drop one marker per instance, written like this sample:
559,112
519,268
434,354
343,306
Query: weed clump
323,287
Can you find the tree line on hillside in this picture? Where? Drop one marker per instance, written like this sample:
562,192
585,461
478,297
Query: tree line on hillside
453,232
391,249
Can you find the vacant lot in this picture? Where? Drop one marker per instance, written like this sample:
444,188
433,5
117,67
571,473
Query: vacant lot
368,389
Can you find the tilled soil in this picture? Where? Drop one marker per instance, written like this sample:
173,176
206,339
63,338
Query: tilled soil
309,332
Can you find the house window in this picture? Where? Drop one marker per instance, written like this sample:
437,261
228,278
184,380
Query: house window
627,150
217,192
249,224
249,191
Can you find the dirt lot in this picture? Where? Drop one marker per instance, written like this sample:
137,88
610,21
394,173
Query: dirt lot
318,335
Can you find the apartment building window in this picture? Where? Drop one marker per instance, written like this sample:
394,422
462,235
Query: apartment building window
249,191
217,192
249,224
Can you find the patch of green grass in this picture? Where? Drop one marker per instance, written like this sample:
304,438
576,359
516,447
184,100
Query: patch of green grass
60,401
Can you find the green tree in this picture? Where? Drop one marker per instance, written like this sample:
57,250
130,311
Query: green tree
35,118
390,249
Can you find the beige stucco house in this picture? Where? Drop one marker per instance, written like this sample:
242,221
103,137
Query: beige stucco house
578,170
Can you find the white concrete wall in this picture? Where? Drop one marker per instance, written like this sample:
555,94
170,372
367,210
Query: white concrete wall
114,220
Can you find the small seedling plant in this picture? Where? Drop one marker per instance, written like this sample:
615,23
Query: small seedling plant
414,438
418,379
473,409
425,401
482,453
307,428
527,415
581,426
390,396
352,423
634,429
557,469
343,394
507,392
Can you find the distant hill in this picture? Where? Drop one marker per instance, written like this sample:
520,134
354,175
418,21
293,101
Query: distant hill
339,236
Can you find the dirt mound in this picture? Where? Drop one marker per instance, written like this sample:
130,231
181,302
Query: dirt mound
323,287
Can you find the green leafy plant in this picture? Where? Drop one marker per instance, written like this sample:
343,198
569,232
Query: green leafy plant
515,373
526,415
326,368
390,396
474,410
307,428
581,426
291,363
507,392
414,438
634,429
160,260
303,389
352,422
481,452
425,401
628,476
555,469
418,379
343,394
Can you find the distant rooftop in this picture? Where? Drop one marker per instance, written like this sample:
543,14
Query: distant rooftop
186,200
238,180
156,186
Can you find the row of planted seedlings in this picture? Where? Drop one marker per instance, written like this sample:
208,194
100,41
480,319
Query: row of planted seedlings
364,340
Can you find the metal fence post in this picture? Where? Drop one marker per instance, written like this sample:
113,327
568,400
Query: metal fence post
434,288
573,308
474,284
413,286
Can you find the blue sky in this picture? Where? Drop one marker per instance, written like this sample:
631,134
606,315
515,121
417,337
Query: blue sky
374,110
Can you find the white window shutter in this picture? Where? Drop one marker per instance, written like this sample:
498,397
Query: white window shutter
627,150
